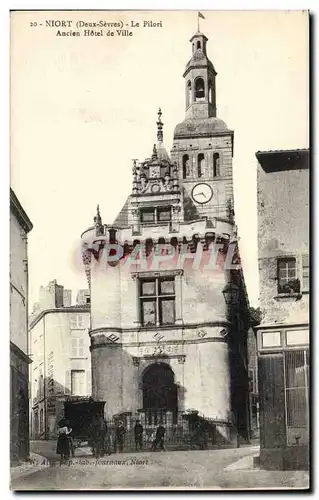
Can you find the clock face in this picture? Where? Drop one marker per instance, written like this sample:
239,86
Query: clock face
202,193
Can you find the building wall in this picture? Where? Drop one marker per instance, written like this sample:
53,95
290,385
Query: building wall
283,336
195,347
51,344
19,349
115,301
200,369
283,219
18,280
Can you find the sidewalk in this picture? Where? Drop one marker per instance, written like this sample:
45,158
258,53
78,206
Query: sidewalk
242,472
36,464
48,449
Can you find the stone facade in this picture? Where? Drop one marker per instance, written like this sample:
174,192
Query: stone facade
20,225
283,335
155,315
61,368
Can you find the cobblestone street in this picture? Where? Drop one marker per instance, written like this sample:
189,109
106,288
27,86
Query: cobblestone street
211,469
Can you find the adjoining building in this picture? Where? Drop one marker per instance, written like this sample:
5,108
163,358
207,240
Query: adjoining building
59,346
283,335
253,384
173,339
20,226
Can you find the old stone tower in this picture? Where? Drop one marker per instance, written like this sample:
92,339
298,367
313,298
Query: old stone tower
164,338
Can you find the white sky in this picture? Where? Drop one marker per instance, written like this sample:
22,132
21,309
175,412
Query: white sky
82,108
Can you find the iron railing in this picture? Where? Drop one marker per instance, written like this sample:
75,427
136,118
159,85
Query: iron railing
182,430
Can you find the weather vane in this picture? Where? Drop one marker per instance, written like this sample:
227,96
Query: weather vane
199,16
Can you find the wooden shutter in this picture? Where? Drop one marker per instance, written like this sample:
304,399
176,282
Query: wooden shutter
67,389
89,385
305,273
272,400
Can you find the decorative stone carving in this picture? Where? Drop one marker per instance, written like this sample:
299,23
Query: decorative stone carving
181,359
136,361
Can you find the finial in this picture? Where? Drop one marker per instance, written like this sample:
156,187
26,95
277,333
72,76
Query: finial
159,126
97,218
134,166
199,15
154,155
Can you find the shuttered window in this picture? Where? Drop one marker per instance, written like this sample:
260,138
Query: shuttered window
305,273
76,322
288,281
77,347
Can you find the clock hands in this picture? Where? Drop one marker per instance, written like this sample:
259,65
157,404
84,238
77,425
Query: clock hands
198,194
203,196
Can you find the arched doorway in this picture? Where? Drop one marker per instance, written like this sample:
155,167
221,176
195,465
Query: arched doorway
159,391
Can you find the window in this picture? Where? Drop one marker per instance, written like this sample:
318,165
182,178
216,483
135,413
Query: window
186,168
287,276
88,300
296,387
210,92
157,301
198,45
271,339
305,273
78,383
164,214
188,93
200,164
199,89
148,215
76,322
216,165
77,348
155,215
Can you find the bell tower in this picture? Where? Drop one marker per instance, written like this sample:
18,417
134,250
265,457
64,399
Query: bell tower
203,144
200,78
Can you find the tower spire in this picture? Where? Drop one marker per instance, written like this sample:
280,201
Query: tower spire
159,124
97,218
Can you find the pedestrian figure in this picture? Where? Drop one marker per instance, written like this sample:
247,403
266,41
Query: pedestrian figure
205,436
95,433
119,437
63,443
103,437
138,435
159,438
71,442
198,434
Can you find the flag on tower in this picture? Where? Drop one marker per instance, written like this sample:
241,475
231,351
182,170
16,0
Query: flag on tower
201,15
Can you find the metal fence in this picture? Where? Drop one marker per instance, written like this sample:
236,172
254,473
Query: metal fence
182,430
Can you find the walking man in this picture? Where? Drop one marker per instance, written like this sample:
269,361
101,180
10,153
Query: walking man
138,435
103,437
159,438
119,437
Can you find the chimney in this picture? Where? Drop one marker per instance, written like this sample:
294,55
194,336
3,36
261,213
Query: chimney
67,298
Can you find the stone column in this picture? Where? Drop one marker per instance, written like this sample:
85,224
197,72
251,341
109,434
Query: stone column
178,299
